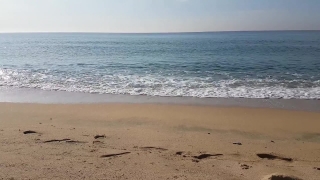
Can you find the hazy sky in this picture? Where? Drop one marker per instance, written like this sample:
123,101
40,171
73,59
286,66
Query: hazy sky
157,15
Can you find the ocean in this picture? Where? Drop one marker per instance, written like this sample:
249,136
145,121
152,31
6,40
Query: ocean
275,64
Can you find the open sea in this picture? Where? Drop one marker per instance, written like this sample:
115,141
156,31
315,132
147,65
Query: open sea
282,64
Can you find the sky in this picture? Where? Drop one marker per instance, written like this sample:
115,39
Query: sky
157,15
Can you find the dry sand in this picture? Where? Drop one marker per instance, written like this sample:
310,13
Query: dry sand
149,141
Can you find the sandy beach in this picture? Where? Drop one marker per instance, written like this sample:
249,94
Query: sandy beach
156,141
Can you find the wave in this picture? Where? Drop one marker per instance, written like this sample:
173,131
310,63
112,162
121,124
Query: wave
160,85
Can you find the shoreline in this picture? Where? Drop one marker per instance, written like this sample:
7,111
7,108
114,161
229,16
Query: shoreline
27,95
141,141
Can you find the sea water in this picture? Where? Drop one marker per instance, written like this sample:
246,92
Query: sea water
275,64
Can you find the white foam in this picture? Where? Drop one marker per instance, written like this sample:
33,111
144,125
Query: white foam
157,85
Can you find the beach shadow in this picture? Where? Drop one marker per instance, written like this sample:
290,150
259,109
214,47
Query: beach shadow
193,128
126,123
220,131
311,137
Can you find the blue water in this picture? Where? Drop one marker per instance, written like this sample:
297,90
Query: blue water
222,64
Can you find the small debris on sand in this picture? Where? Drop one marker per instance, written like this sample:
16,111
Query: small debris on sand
280,177
63,140
179,153
194,160
237,143
56,140
29,132
156,148
203,156
99,136
111,155
272,157
244,166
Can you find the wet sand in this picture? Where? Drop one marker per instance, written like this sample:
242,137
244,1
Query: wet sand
156,141
31,95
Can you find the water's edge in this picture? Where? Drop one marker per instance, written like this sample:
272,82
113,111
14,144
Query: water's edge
26,95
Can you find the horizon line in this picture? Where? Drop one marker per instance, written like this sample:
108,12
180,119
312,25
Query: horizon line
100,32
